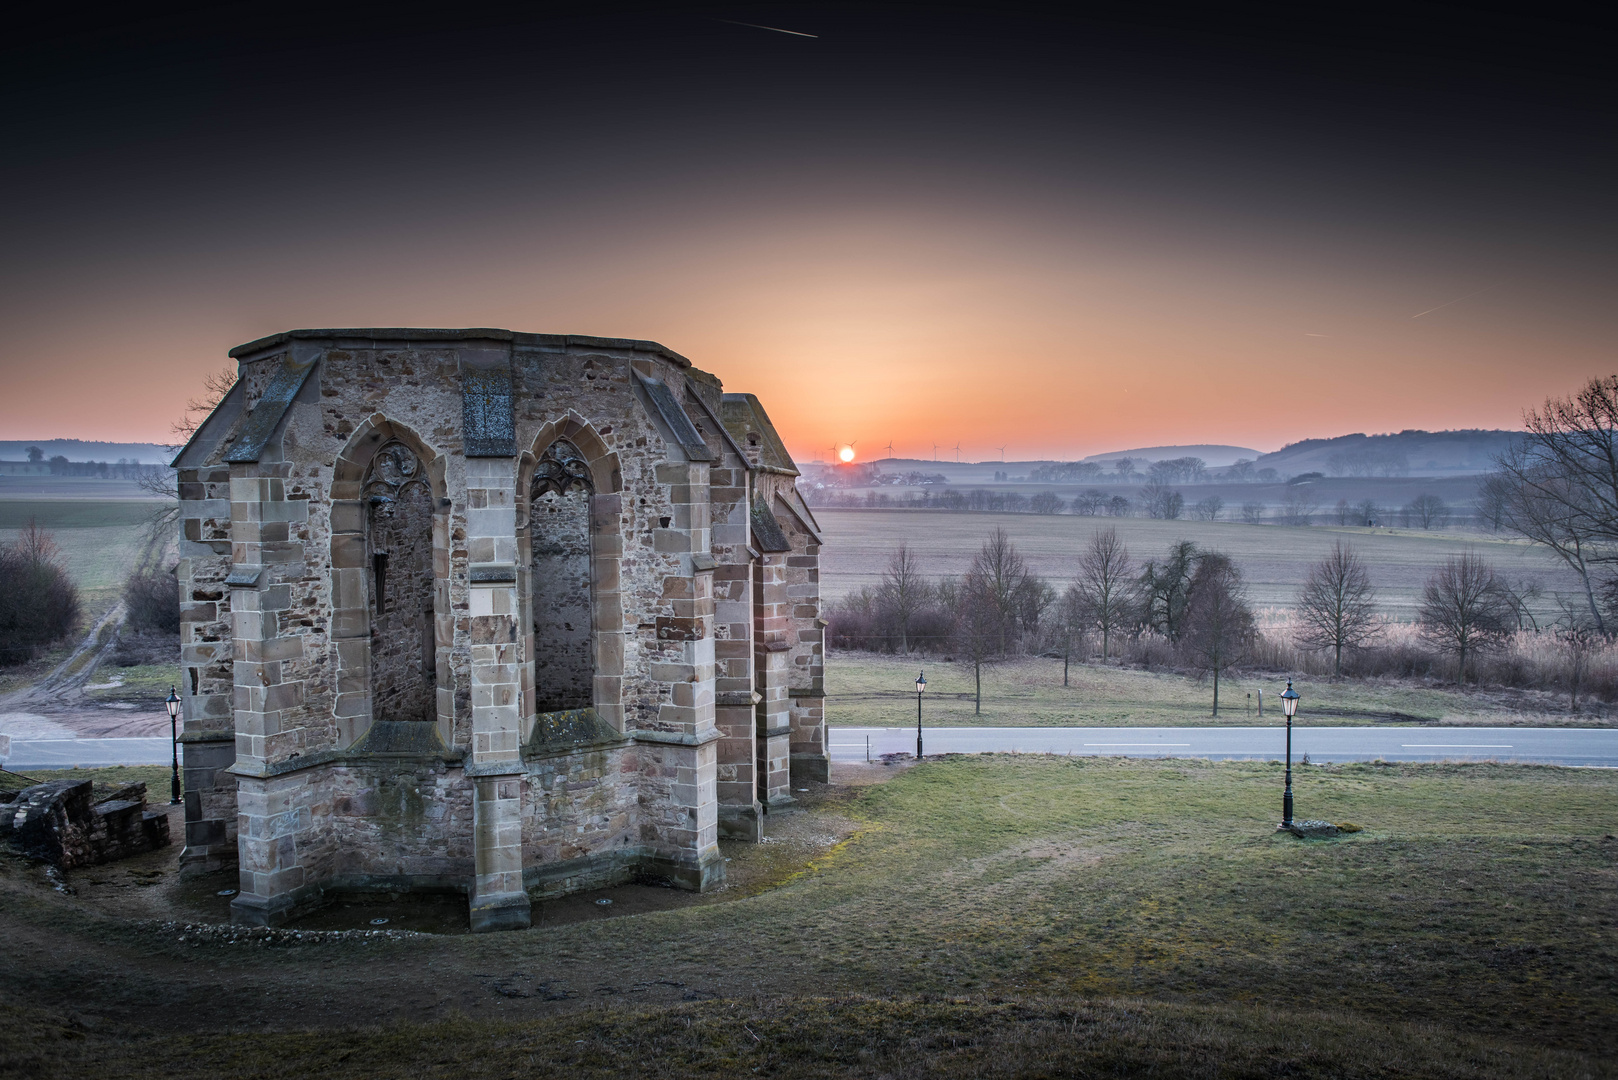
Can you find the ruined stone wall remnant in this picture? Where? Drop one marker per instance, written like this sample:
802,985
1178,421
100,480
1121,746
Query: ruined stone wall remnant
513,614
62,823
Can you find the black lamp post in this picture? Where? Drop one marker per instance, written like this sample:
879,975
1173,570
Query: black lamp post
1289,705
921,684
173,704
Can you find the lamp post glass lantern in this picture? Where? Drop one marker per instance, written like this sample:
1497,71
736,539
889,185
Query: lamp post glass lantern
1289,705
172,702
921,685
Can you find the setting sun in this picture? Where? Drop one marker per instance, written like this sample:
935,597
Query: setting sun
846,454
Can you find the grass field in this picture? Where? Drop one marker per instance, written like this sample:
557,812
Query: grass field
877,690
100,526
142,684
991,916
1274,559
98,559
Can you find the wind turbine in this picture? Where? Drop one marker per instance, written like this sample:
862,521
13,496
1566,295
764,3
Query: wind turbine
889,449
1002,450
957,452
935,451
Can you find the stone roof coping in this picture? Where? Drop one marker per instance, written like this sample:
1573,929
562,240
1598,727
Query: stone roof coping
478,333
679,423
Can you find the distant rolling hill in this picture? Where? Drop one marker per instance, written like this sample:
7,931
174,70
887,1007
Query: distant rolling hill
1212,456
1409,453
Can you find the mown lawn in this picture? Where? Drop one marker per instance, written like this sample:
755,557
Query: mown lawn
994,915
877,690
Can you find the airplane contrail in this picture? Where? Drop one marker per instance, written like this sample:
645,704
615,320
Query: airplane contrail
1457,300
756,26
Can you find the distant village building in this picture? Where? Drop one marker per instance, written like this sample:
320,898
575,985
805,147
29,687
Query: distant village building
473,610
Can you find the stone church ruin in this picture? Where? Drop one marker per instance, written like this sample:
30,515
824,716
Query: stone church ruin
507,614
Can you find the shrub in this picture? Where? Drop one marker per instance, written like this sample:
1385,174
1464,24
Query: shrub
39,604
152,599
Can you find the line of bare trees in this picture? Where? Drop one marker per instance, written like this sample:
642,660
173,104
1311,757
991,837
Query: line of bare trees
1193,599
1188,609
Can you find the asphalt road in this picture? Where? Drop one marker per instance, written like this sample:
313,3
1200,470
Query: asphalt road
87,753
1588,747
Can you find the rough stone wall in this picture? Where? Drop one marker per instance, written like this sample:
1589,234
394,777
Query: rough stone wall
206,679
58,822
729,491
309,678
806,672
564,656
772,625
401,825
403,662
286,848
579,820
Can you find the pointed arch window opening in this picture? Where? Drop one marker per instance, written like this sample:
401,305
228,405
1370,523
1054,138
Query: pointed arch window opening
562,469
562,579
399,512
396,472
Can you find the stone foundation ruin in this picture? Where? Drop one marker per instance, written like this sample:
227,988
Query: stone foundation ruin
62,823
507,614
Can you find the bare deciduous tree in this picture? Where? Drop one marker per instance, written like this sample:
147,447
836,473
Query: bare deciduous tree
979,625
1577,632
1070,625
1463,609
1219,628
1337,605
1425,511
1003,574
1208,509
903,591
1368,512
1297,507
1165,587
1253,513
1105,588
1558,486
163,483
1046,502
1089,503
215,385
1161,501
1493,495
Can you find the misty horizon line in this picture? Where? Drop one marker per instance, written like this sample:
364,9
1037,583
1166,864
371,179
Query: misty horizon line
1188,446
888,453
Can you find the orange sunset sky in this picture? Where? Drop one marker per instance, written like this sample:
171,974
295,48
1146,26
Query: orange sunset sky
1186,238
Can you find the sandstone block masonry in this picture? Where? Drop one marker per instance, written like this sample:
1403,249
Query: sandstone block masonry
505,614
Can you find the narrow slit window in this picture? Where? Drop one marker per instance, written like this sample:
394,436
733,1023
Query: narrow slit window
429,650
379,563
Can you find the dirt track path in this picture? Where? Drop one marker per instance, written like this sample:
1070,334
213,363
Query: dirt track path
56,707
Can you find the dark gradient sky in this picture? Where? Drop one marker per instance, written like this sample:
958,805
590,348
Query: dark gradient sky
930,223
